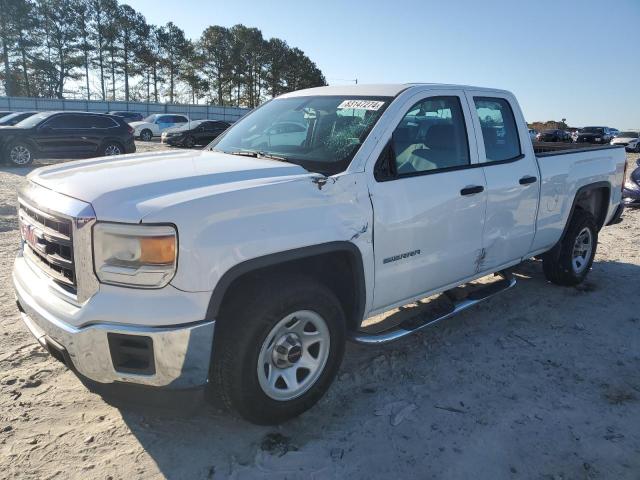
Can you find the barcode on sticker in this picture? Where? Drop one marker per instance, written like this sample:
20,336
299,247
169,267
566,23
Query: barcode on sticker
361,104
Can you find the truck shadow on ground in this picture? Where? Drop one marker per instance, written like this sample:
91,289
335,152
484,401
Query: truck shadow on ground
416,388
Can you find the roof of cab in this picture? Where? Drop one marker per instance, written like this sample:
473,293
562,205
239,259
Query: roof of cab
376,90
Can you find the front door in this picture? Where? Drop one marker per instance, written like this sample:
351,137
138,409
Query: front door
429,200
513,182
65,134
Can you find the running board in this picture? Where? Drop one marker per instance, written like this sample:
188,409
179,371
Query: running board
454,307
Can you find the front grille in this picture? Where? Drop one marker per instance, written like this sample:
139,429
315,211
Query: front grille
48,243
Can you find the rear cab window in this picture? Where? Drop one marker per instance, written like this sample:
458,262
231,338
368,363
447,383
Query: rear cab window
499,129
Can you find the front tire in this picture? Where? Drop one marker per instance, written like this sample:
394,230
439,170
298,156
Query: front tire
189,142
146,135
569,262
20,154
278,347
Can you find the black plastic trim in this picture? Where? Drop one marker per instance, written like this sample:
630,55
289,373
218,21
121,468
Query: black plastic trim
235,272
586,188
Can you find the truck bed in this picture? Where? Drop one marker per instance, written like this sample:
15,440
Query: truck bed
564,169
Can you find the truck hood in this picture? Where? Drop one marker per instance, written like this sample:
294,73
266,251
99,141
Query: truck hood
129,187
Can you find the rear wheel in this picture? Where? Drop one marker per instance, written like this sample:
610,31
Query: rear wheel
112,148
278,348
20,154
569,262
146,135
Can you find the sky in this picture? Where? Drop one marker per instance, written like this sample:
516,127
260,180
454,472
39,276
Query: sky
578,60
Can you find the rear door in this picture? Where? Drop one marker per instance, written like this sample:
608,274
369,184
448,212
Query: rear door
428,199
512,176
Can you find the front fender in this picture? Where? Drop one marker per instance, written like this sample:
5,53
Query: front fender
217,232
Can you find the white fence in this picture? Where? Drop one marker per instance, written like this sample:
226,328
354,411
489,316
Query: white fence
195,112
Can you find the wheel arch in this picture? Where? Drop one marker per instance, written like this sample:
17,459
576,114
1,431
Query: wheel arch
593,198
337,264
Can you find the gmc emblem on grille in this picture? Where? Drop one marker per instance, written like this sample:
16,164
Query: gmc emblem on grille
30,235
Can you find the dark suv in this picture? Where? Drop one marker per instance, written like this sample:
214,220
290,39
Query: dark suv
65,135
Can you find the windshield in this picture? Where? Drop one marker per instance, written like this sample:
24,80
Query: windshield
151,118
599,130
319,133
628,134
34,120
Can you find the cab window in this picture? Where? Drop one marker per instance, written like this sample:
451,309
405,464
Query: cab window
499,129
431,136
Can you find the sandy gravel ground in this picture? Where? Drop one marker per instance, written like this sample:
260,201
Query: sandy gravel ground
541,382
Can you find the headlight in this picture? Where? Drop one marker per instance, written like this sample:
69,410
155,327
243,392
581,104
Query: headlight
142,256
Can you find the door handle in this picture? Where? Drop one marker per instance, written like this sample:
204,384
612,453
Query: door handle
472,190
526,180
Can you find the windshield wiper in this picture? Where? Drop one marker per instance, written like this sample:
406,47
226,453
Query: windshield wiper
258,154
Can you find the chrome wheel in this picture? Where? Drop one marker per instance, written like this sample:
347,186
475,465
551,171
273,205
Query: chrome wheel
582,248
20,155
146,135
293,355
112,149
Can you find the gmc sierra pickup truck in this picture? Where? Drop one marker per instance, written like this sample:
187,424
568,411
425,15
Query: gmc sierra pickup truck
243,269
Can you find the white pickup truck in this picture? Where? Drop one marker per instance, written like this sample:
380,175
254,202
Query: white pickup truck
244,268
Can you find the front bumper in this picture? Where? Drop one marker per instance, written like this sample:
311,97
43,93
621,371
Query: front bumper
180,355
173,141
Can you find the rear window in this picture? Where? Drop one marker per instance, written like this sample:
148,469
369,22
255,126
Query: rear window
95,121
499,129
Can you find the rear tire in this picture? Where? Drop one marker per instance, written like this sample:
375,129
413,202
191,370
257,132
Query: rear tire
20,154
112,148
569,262
266,366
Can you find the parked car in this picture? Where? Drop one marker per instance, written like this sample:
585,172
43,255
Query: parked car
574,135
629,140
14,118
244,270
65,135
128,116
155,124
614,132
533,134
553,135
631,191
196,132
599,135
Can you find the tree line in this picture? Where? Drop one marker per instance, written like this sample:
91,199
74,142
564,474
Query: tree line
100,49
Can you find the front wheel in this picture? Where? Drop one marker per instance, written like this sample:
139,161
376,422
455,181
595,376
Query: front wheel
569,262
189,142
20,154
146,135
278,348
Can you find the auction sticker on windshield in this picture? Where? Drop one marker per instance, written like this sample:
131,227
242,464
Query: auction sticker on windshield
362,104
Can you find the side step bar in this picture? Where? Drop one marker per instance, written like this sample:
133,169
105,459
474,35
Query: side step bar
454,307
